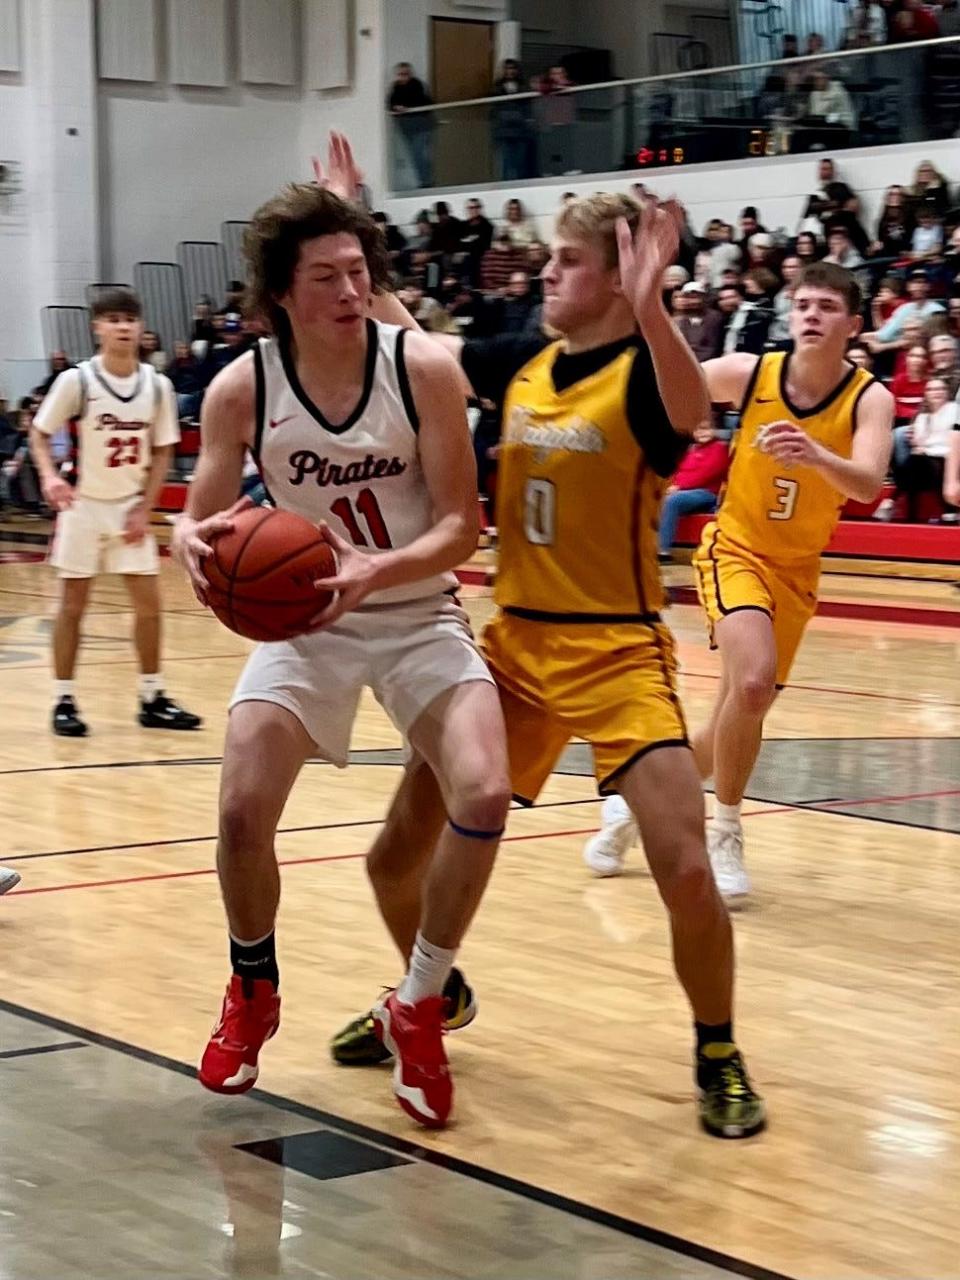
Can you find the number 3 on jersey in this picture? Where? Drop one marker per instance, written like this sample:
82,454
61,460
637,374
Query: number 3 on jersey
787,491
540,512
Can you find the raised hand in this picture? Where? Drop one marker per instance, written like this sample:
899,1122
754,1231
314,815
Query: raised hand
341,175
646,255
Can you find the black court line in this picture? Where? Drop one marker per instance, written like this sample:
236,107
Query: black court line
453,1164
281,831
43,1048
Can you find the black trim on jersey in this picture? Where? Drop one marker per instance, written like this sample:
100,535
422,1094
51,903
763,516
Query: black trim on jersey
748,608
751,387
606,787
856,404
636,533
403,378
373,347
116,394
827,400
260,412
540,615
84,393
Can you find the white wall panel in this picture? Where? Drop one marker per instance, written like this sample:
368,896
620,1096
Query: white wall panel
326,42
127,39
197,40
269,51
10,35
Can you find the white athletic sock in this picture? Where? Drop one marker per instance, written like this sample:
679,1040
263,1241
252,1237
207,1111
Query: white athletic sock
429,969
615,809
62,689
150,686
727,815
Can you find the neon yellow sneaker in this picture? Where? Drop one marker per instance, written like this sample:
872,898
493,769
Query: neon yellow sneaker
358,1044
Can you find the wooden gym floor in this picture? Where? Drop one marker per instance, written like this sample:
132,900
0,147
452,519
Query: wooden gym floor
575,1151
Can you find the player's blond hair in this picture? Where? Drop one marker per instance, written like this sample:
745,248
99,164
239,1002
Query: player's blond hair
594,219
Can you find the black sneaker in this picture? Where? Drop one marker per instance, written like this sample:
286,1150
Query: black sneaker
163,713
66,721
729,1106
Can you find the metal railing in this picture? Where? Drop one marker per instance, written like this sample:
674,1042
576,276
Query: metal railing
884,94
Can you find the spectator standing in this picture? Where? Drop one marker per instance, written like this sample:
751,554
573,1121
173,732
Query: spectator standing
511,125
233,303
58,364
394,239
750,225
867,26
476,237
446,233
557,113
701,326
695,486
915,21
407,94
815,44
203,329
790,47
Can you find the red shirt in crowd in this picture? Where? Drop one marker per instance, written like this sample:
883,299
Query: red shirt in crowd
704,467
908,396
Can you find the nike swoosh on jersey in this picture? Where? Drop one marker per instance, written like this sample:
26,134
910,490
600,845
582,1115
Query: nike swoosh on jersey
278,422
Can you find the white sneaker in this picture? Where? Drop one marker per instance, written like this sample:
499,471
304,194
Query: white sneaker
8,879
725,846
605,852
885,510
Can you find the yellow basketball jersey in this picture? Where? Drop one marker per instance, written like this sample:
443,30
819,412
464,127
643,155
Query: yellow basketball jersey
577,501
777,512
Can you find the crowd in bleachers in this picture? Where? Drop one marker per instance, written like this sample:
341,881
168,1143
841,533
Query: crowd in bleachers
731,291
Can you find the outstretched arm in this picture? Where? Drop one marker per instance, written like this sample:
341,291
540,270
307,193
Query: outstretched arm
643,259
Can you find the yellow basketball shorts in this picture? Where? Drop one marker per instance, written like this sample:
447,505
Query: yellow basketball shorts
730,578
612,685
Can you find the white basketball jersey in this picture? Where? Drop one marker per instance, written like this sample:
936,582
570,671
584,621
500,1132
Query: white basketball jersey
364,476
116,433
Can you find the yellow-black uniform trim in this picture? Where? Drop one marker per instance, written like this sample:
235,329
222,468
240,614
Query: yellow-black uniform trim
606,788
856,404
828,399
540,615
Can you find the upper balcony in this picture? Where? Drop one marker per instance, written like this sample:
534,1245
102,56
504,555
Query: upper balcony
865,97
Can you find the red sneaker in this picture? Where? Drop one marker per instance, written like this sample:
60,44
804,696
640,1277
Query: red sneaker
250,1015
414,1035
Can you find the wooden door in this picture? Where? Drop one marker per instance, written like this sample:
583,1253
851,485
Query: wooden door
462,67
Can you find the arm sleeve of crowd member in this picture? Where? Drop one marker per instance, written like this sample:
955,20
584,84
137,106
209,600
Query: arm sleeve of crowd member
60,404
492,363
648,417
166,425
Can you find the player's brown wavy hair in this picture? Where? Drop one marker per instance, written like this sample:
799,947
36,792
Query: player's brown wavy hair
594,219
830,275
271,244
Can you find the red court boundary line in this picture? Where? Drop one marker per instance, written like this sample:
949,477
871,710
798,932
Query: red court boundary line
850,693
825,806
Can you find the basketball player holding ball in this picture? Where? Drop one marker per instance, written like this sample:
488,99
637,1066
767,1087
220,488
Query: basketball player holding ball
360,427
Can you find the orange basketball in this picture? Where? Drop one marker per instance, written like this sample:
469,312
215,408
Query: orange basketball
261,574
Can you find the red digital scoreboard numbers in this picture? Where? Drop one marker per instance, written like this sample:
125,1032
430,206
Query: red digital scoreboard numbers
648,156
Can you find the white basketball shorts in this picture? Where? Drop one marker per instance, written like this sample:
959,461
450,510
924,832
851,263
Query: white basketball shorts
407,654
88,539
